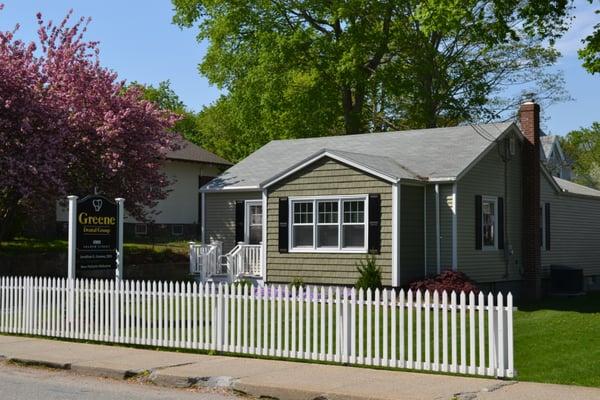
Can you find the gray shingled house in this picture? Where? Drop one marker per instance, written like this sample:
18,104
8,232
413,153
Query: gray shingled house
474,198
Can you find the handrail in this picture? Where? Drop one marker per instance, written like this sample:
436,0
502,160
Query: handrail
243,260
204,259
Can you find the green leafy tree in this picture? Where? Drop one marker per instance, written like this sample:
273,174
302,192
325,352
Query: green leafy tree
312,68
583,147
590,53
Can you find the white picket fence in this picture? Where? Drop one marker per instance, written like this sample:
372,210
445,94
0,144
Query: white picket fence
463,334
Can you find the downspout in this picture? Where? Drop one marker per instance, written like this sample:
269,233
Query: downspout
437,227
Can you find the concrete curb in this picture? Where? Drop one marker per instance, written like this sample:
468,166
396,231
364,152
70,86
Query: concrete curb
181,382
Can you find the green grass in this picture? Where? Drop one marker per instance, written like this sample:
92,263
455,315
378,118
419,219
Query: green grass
138,252
558,341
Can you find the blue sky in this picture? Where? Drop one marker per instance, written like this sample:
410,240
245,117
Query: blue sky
139,42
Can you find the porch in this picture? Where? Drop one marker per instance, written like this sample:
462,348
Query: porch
242,262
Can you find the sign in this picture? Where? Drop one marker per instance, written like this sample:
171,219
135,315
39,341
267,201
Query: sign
97,230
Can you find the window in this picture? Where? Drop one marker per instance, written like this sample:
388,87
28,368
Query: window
354,223
542,226
328,224
512,145
303,224
489,208
177,230
254,222
141,229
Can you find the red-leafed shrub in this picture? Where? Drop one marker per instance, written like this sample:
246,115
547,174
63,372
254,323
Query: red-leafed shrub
449,281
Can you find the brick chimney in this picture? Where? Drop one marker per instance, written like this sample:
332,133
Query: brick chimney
529,117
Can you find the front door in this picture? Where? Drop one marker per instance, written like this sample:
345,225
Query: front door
253,234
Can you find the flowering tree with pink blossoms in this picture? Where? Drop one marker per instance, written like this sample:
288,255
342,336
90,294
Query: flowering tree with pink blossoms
67,125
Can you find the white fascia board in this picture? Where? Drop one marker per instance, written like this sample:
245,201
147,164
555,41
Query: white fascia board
231,189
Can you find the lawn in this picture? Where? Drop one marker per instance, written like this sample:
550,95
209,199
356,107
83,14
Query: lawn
558,341
139,251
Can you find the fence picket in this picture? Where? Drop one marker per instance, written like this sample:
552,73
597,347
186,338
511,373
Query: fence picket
380,327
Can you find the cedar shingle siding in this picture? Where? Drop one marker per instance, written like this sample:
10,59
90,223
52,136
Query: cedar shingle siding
325,177
220,216
486,178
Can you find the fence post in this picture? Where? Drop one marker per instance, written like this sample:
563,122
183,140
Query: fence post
71,254
509,336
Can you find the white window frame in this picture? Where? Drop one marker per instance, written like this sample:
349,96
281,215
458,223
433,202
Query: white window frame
176,233
247,205
315,200
490,199
141,233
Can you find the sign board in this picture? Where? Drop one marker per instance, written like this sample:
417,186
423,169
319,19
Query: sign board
97,231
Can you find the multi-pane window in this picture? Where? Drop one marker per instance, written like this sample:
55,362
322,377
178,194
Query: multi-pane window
254,223
328,224
353,232
303,224
488,221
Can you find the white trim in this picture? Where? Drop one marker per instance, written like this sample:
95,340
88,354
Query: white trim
454,230
314,158
314,200
263,263
437,229
231,189
493,199
395,235
203,217
425,262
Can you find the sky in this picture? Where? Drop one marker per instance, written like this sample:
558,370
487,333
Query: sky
139,42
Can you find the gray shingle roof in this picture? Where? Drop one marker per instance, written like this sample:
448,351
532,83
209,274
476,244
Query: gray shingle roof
574,188
547,142
440,153
188,151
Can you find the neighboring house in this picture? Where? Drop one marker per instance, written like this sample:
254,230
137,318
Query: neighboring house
555,160
472,198
177,216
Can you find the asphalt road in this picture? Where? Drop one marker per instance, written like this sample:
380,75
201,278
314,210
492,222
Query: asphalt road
23,383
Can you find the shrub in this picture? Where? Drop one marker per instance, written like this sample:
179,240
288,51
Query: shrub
450,281
244,282
370,274
297,283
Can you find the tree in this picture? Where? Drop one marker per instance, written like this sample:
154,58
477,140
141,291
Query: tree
590,53
583,147
68,126
313,68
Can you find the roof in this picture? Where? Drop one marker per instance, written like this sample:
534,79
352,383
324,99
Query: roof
574,188
547,143
425,154
188,151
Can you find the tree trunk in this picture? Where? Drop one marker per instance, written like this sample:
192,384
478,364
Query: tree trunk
352,110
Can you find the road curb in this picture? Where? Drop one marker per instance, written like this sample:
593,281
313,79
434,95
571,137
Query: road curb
39,363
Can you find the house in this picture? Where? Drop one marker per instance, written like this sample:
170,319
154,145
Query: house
474,198
177,216
553,157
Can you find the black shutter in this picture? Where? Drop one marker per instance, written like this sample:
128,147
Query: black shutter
500,223
478,232
547,238
239,221
283,224
374,223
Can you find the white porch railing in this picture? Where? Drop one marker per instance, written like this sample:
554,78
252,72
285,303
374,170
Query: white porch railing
243,260
204,259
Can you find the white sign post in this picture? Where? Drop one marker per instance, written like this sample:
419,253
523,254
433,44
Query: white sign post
120,215
72,253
